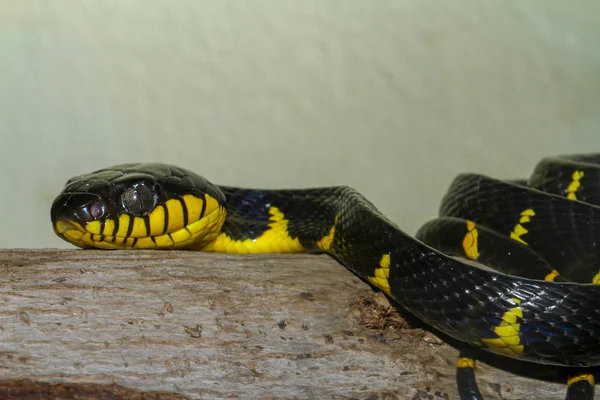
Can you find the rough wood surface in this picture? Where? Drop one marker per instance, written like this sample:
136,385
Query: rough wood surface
175,325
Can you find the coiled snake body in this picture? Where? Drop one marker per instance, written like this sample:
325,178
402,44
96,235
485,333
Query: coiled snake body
508,266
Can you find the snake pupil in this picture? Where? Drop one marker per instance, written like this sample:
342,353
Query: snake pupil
138,199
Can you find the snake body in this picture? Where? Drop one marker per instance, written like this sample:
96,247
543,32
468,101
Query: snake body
508,266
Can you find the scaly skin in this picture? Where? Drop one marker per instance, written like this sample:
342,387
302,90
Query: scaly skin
538,316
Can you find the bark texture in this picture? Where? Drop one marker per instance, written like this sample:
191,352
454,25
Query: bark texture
183,325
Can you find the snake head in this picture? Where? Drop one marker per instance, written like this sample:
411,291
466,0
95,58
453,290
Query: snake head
142,205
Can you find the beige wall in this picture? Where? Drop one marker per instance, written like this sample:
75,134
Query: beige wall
393,97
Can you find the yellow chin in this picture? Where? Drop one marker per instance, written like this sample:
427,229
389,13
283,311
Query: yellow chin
132,233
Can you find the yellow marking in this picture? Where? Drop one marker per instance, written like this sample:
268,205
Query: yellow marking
211,204
519,230
94,227
62,226
123,225
196,235
574,185
199,234
157,221
193,205
104,245
551,276
581,377
276,239
508,340
528,213
382,275
145,243
73,234
109,227
163,241
181,236
86,241
325,242
469,242
197,226
465,362
596,278
175,213
139,228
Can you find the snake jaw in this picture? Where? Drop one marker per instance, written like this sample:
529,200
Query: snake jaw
71,213
60,227
72,232
163,228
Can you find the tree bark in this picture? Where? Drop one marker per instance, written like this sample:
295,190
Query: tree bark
183,325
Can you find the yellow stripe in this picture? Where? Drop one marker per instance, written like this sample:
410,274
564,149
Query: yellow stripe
73,234
574,185
465,362
551,276
519,230
157,221
469,242
276,239
581,377
94,227
181,235
211,204
382,274
109,228
145,243
508,340
163,241
194,206
175,213
325,242
139,228
124,221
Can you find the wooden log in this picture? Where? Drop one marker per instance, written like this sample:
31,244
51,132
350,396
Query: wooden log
92,324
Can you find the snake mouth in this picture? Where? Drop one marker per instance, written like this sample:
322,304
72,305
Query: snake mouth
188,221
63,226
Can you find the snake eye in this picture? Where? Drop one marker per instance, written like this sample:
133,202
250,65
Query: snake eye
138,199
97,209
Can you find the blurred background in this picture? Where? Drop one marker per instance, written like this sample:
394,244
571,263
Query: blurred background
392,97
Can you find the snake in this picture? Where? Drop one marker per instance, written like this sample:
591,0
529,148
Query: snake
507,266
